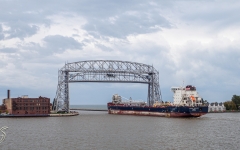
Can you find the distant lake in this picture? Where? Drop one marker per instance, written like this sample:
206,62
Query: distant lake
98,107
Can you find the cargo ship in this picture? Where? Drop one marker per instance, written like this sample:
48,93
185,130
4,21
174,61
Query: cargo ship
186,103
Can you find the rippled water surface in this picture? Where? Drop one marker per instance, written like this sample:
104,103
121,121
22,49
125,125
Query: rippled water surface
102,131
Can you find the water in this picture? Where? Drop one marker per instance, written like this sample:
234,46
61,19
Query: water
96,107
101,131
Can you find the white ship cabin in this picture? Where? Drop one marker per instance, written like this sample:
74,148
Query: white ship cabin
186,96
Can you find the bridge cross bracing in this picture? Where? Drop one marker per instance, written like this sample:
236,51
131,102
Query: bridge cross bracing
105,71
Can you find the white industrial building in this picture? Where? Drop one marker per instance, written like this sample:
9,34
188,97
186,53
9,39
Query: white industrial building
216,107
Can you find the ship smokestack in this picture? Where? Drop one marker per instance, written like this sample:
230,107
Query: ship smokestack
8,94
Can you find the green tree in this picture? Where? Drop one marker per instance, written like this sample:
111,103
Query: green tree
230,105
236,100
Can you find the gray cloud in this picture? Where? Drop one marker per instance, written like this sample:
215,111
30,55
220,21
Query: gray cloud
104,48
21,30
58,43
20,19
211,13
1,32
126,24
8,50
128,18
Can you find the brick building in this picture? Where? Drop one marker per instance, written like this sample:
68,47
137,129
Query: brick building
2,109
27,106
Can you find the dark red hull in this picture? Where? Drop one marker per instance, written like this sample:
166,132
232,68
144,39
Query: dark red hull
165,111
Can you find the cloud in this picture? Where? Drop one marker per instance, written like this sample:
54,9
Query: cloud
8,50
127,23
194,41
19,23
1,33
214,15
58,44
129,18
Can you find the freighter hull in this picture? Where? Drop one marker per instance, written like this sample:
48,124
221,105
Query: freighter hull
141,113
168,111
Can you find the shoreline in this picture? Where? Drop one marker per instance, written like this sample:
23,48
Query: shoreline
225,112
42,115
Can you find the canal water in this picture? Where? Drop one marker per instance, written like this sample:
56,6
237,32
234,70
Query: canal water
97,130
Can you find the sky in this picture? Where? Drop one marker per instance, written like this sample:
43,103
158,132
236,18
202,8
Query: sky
190,42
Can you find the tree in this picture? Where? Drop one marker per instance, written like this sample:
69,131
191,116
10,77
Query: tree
230,105
236,100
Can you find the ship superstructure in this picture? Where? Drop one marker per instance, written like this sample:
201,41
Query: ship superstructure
186,96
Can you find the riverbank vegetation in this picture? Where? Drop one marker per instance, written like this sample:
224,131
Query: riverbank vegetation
233,104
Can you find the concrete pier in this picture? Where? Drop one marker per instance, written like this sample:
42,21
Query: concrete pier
63,115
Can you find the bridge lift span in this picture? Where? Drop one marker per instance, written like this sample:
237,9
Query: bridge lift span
105,71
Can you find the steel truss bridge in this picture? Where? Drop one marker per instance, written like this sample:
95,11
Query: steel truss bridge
105,71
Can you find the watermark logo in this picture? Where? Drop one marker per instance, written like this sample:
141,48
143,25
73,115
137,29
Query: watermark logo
3,134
